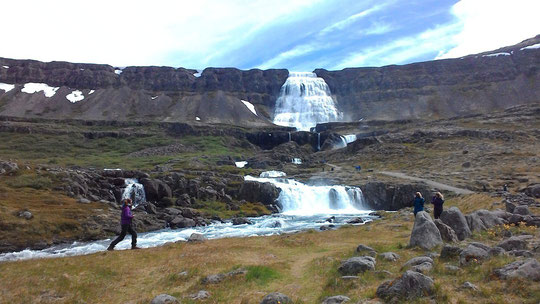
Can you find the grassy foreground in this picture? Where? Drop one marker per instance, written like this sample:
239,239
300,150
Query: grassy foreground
303,266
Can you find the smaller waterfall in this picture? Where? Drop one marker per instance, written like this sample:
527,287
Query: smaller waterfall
318,141
350,138
297,161
134,191
289,136
301,199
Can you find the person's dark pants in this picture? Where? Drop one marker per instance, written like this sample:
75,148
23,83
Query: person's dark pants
437,211
125,229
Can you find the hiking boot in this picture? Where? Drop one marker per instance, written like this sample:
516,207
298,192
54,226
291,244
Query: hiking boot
135,247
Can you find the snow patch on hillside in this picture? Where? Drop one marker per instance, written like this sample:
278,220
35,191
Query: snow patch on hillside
6,87
250,106
198,74
75,96
197,118
497,54
33,87
531,47
91,92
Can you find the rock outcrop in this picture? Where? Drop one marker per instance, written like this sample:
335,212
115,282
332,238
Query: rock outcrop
425,233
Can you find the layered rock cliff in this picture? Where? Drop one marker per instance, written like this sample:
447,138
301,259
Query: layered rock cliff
433,89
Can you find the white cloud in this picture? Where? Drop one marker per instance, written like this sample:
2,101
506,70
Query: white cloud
340,25
378,28
135,32
490,24
402,50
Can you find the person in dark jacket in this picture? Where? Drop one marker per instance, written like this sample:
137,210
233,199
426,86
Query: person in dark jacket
437,201
418,203
125,222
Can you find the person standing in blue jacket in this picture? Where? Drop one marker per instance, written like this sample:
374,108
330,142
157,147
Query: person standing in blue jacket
418,203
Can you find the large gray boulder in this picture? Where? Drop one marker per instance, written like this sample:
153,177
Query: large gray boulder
528,269
472,254
155,189
522,210
336,300
455,219
425,233
450,251
409,286
276,298
532,190
164,299
363,249
356,265
447,233
474,222
489,218
515,243
265,193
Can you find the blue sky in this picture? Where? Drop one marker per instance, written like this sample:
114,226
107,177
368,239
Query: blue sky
299,35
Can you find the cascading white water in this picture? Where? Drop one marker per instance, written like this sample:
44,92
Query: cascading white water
345,140
304,101
300,199
134,191
350,138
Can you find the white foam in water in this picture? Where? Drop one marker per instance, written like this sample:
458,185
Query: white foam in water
304,101
297,161
345,140
134,191
350,138
241,164
32,88
6,87
272,174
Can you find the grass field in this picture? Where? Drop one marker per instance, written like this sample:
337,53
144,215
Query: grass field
303,266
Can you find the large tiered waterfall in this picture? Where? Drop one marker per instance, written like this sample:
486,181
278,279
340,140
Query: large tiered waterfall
304,101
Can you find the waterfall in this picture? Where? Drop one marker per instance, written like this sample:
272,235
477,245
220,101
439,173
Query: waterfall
318,141
134,191
304,101
300,199
350,138
289,136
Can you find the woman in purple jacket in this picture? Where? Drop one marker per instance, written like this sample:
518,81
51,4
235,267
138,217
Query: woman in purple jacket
437,201
125,221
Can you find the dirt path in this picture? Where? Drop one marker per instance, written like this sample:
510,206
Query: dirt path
429,182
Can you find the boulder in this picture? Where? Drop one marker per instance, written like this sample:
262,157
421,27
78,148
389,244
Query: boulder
409,286
423,268
336,300
452,268
527,269
196,237
515,243
455,219
7,167
474,222
468,286
386,196
510,206
472,254
522,210
489,218
27,215
357,220
241,221
480,245
425,233
496,251
447,234
276,298
363,249
155,189
532,190
450,252
164,299
417,261
389,256
253,191
213,278
200,295
181,222
356,265
83,200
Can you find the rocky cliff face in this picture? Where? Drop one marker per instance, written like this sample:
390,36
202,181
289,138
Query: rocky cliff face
433,89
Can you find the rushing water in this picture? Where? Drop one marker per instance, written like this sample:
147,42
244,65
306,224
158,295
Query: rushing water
304,101
303,207
134,191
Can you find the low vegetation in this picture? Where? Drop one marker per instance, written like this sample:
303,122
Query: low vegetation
303,266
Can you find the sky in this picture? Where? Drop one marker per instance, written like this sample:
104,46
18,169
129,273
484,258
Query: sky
299,35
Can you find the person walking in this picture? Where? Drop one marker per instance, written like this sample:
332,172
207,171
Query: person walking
418,203
437,201
125,222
